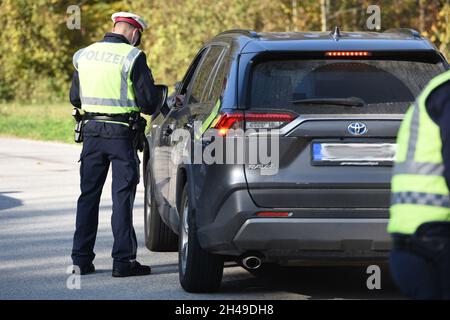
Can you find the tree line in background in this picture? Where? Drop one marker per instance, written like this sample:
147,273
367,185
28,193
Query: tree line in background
37,47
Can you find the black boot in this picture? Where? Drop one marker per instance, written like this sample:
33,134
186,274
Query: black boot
84,269
130,270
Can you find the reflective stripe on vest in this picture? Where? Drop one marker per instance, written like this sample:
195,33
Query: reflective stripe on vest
108,102
422,168
104,70
421,198
419,189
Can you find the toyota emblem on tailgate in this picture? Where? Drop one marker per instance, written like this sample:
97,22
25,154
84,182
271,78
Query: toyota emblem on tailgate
357,128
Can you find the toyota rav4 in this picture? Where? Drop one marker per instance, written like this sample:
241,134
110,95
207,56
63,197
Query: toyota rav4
334,101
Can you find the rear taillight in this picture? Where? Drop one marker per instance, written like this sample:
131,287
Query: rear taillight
227,121
252,120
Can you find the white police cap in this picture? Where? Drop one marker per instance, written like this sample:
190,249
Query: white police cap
131,18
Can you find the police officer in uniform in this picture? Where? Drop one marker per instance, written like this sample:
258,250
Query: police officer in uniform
420,211
112,84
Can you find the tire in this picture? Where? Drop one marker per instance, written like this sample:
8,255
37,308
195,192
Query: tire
199,270
158,236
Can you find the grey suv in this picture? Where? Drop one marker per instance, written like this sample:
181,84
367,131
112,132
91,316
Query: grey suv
336,100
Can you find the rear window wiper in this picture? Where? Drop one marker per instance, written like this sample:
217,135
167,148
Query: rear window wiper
346,102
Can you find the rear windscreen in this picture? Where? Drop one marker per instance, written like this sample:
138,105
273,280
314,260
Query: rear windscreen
384,86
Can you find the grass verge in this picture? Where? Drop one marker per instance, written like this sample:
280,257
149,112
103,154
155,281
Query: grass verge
50,122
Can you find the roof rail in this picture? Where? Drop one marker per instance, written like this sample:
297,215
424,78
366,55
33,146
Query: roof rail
407,31
249,33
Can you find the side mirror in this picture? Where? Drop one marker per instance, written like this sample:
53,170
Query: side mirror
163,93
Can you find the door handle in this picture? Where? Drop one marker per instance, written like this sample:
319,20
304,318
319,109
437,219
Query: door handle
190,123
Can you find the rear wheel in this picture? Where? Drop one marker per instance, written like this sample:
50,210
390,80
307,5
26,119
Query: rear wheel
199,270
158,236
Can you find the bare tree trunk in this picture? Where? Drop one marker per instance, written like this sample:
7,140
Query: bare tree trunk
324,9
422,4
294,15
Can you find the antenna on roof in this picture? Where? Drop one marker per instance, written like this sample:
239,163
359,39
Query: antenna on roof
336,33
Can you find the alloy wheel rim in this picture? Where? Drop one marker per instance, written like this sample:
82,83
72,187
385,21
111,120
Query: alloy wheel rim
149,205
184,238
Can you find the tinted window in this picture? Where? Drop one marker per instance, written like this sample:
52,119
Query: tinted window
218,81
385,86
203,75
188,77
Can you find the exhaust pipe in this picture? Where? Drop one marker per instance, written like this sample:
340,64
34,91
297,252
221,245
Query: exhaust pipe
251,262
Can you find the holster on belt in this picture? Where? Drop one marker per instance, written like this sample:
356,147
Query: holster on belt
76,114
137,125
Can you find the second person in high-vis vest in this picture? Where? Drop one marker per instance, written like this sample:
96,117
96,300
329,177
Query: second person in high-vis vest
420,211
112,84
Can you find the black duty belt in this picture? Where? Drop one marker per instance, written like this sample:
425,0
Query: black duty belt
126,118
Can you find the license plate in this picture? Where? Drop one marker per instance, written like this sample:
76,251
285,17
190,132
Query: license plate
354,154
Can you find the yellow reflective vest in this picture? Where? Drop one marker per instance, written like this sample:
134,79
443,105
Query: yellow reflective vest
419,190
104,70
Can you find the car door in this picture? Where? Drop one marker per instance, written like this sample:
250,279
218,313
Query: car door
196,105
162,128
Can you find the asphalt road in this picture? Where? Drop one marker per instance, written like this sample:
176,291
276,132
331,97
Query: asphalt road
39,186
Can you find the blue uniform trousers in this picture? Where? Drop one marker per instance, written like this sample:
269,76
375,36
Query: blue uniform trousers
97,155
422,269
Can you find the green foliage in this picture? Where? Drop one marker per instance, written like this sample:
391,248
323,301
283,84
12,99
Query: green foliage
33,50
41,121
37,47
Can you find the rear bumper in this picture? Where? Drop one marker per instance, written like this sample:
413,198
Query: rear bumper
310,233
314,238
